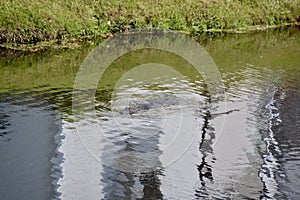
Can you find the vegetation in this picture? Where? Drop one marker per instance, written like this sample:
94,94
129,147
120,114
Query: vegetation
31,21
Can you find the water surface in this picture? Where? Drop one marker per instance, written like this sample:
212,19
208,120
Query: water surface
114,153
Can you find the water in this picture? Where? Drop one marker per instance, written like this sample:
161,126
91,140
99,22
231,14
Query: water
155,134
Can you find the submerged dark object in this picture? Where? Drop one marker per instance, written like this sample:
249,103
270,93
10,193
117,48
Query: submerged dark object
144,106
156,101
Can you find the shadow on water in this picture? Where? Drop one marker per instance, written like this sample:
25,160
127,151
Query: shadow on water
256,156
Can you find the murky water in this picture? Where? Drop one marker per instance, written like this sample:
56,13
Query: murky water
155,134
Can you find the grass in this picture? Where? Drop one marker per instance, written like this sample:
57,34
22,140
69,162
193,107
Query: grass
32,21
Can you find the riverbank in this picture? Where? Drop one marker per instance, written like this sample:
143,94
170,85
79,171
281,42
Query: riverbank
53,23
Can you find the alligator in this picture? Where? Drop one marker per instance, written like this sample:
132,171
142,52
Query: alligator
140,107
156,101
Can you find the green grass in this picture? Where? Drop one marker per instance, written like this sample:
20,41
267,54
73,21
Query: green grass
30,21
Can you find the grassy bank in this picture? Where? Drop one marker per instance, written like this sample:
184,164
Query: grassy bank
31,21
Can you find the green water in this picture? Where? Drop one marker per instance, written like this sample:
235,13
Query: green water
256,156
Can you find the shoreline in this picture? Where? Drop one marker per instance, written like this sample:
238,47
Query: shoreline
77,42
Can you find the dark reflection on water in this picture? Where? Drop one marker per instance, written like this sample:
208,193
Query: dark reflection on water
122,185
29,137
205,147
47,153
286,132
